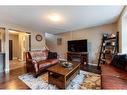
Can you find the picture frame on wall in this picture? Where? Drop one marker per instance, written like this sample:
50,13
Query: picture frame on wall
59,41
39,37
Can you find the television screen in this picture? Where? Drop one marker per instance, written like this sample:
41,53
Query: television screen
77,45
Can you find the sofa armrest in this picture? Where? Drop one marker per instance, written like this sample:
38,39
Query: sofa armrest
31,61
34,63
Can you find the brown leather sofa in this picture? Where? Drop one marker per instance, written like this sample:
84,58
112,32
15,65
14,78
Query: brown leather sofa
39,60
114,75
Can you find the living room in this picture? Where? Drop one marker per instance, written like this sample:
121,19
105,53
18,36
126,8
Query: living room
53,60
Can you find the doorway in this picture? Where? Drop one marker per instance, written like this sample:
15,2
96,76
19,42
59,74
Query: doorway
10,50
18,45
0,45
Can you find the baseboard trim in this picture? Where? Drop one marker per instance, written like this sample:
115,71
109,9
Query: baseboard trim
15,58
92,64
7,70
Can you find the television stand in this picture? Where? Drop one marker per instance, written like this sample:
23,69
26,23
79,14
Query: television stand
81,56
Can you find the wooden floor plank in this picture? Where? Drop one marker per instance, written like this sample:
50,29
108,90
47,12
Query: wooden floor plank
11,81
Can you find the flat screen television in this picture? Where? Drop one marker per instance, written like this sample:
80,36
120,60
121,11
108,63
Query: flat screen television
77,45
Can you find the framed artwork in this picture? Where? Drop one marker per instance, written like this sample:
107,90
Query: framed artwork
59,41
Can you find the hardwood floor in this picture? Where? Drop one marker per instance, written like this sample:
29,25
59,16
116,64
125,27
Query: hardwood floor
10,80
15,63
91,68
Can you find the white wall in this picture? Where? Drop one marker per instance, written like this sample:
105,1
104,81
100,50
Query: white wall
122,27
15,43
22,45
34,44
2,37
93,35
2,55
124,35
37,45
51,41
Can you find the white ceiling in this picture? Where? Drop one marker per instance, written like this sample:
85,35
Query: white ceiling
75,17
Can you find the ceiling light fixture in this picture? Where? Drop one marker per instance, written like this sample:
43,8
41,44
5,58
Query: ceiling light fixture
55,17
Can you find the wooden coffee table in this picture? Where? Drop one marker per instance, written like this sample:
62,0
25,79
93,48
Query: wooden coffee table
62,76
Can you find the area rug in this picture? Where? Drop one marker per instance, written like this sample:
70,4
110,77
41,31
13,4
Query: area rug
84,80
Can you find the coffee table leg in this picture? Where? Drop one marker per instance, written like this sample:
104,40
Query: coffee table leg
79,70
48,77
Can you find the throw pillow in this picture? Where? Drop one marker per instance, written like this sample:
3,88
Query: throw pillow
119,61
38,55
52,55
115,60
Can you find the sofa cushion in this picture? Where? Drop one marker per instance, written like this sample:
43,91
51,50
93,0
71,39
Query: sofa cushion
39,55
119,61
44,64
47,63
110,82
115,59
53,61
52,55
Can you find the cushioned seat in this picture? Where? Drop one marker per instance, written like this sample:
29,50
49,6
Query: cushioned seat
38,61
47,63
44,64
53,61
